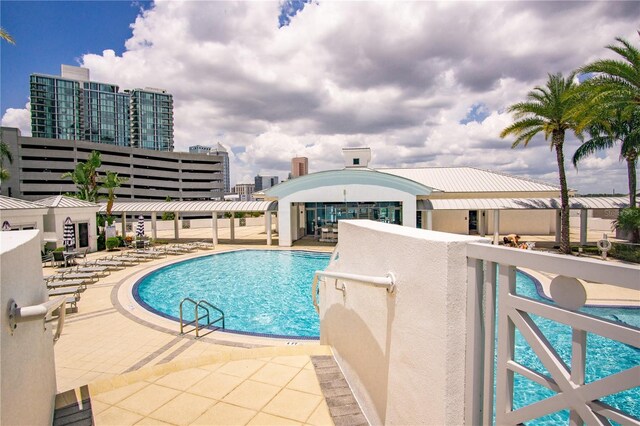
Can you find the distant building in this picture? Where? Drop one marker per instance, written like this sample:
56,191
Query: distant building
72,107
221,151
299,166
265,182
245,191
38,165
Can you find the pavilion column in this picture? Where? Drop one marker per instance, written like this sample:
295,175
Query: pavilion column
232,224
496,227
482,223
176,228
154,226
583,227
430,220
124,224
214,227
558,226
268,224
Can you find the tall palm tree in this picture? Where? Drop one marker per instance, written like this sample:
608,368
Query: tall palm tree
617,81
549,110
5,154
6,36
606,133
110,183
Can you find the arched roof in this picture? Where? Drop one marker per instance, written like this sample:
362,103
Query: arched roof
347,177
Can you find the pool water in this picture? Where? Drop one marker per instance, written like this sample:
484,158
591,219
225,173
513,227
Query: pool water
604,357
269,293
260,291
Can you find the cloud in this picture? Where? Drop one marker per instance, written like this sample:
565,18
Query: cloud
421,83
19,118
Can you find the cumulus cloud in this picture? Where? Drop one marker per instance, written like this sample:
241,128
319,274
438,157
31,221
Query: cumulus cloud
421,83
19,118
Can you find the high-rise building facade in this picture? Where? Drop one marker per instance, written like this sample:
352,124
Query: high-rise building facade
245,191
299,166
72,107
265,182
220,151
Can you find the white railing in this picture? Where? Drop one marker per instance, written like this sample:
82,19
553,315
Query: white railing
583,400
39,312
388,282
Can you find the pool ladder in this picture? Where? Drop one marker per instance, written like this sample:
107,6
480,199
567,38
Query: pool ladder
206,306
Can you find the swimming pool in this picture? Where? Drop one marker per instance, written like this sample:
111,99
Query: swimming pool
268,293
262,292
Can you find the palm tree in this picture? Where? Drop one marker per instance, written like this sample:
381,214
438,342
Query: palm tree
6,36
617,81
85,176
110,183
606,133
549,110
5,153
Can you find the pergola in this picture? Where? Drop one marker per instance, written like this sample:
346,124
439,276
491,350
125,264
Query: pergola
215,208
497,204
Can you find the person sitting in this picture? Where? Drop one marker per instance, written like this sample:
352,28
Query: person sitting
511,240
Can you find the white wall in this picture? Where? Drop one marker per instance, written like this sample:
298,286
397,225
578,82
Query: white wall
25,217
339,193
54,222
403,354
164,225
529,222
28,381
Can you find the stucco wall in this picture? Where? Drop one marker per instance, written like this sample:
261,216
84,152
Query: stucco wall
403,354
24,217
529,222
27,382
55,223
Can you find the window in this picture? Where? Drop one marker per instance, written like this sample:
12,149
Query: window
356,161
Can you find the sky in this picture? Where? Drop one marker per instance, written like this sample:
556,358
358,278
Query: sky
423,84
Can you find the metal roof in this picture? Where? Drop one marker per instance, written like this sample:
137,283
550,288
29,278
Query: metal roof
192,206
350,176
64,201
470,179
8,203
523,203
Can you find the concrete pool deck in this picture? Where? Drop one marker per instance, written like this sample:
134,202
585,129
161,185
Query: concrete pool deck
126,354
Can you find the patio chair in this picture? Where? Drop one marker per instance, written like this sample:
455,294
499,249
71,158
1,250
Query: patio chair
107,263
47,258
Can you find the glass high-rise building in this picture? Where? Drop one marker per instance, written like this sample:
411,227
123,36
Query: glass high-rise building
152,119
70,106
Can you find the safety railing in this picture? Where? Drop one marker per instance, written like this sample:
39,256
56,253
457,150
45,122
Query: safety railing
387,282
206,306
492,288
43,311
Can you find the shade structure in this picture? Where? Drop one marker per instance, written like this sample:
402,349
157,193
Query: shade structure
140,227
69,234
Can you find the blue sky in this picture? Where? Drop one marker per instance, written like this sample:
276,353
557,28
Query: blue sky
51,33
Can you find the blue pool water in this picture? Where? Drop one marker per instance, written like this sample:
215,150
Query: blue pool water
260,291
269,292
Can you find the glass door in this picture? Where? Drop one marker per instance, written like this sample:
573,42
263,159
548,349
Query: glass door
83,235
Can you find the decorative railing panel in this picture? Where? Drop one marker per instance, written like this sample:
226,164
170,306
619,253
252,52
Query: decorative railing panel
493,300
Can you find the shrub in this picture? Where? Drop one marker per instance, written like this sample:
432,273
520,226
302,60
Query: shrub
629,221
63,248
626,252
113,243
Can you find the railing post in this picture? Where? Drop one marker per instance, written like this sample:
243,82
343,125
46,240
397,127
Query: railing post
506,344
490,275
578,361
475,350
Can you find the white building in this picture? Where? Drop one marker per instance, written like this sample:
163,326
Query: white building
461,200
